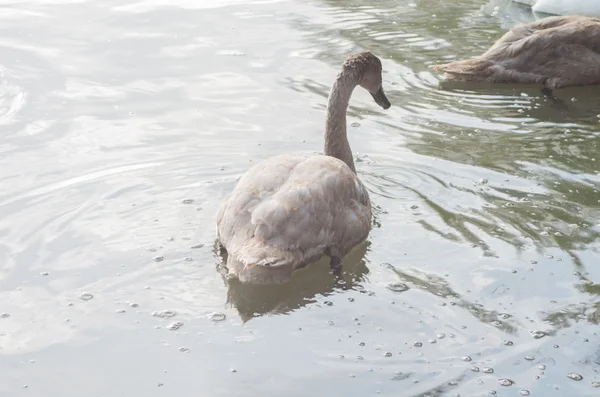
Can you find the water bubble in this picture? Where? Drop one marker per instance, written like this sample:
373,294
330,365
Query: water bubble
328,303
441,336
216,316
361,343
525,392
496,323
595,384
330,322
350,299
4,315
133,305
417,344
233,370
44,273
355,124
397,287
466,358
529,358
159,258
475,369
86,296
488,370
574,376
187,201
432,341
164,314
538,334
121,311
196,246
505,382
388,354
175,326
508,343
184,349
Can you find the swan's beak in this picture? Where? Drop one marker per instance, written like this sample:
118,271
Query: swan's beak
381,99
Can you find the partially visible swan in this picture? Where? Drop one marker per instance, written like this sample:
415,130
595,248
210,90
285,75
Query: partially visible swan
564,7
554,52
288,211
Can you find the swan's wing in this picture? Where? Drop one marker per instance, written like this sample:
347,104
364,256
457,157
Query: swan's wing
526,40
322,206
258,183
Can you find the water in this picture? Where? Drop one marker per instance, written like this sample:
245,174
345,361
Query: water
124,123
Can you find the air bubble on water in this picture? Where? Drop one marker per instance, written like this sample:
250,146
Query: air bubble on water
4,315
525,392
196,246
44,273
86,296
432,341
475,369
187,201
175,326
388,354
159,258
133,305
121,311
508,343
350,299
184,349
328,303
417,344
496,323
466,358
595,384
529,358
488,370
538,334
330,322
397,287
441,336
505,382
355,124
233,370
216,316
361,343
164,314
574,376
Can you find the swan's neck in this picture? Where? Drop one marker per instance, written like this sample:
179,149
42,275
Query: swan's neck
336,139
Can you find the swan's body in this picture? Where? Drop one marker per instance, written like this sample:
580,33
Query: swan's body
564,7
288,211
554,52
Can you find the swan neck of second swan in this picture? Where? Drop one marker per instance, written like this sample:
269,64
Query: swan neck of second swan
336,138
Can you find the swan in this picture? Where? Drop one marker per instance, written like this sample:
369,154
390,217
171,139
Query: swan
555,52
292,209
564,7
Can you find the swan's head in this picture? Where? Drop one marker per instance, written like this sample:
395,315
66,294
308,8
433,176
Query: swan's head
367,69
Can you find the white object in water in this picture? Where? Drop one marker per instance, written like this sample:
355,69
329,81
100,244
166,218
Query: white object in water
564,7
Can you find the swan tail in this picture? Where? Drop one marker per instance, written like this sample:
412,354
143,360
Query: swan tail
469,69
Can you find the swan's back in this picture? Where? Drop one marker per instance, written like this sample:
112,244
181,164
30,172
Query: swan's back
291,208
555,51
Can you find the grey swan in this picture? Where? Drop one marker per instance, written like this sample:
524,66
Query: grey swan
292,209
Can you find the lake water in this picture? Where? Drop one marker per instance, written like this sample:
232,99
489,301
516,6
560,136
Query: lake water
124,123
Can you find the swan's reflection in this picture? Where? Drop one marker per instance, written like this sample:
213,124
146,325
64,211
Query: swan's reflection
256,300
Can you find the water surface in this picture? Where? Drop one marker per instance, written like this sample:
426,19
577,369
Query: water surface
124,123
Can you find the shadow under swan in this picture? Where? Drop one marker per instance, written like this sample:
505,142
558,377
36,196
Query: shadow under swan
255,300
